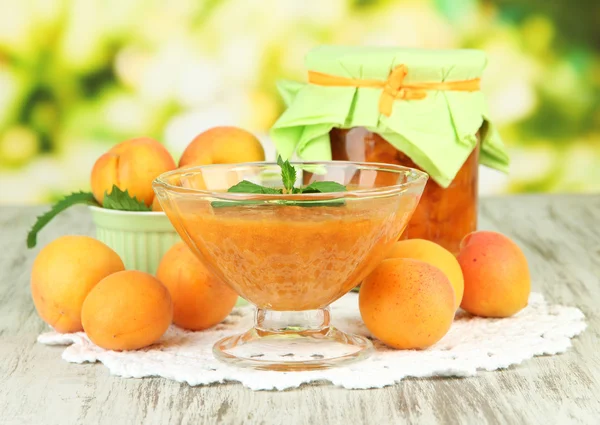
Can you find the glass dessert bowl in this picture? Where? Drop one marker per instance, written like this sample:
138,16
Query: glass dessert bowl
293,254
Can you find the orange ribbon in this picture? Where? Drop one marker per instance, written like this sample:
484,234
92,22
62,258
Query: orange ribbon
394,87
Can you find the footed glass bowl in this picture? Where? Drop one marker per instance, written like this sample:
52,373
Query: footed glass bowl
291,255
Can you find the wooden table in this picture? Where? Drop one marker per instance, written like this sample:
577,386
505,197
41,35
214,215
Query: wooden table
560,236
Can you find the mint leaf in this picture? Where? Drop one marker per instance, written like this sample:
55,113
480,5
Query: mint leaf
245,186
248,187
86,198
288,174
324,187
123,201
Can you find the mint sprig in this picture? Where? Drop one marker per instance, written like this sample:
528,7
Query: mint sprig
86,198
123,201
116,200
288,174
288,177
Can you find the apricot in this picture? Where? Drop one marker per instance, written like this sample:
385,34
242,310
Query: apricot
436,255
127,310
200,300
131,165
407,304
222,145
156,204
63,274
497,280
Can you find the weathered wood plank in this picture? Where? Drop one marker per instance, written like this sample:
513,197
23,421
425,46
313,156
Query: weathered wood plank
560,236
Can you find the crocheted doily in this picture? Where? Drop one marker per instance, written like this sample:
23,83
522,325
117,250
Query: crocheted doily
472,344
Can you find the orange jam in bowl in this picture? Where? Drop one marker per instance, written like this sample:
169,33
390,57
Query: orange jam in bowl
294,257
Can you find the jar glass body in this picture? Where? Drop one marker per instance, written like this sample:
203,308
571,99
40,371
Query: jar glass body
444,215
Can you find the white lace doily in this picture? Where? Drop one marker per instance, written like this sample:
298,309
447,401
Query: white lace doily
472,344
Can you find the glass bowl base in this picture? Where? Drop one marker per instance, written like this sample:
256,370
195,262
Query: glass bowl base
292,350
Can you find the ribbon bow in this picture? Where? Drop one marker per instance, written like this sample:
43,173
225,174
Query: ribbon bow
394,87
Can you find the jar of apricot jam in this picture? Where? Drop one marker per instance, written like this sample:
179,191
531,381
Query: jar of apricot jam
444,215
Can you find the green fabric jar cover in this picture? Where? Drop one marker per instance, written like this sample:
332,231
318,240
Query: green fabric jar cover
438,131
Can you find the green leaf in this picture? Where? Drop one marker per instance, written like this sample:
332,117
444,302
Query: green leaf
288,174
123,201
86,198
248,187
324,187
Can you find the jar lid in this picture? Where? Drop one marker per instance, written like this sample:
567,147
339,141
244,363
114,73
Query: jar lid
426,103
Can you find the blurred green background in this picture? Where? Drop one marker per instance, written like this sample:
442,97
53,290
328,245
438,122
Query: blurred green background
77,76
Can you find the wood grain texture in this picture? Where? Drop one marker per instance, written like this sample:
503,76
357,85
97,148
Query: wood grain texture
559,234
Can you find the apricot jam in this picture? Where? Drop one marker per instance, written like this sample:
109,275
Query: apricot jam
444,215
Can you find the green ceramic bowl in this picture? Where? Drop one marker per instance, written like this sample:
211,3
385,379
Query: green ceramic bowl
140,238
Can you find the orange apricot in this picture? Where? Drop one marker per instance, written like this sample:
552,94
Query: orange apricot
223,145
497,280
127,310
200,300
63,274
436,255
406,303
156,204
131,165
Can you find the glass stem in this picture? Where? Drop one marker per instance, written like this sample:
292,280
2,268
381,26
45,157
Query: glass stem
277,322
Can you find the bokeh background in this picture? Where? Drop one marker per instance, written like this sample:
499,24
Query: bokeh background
77,76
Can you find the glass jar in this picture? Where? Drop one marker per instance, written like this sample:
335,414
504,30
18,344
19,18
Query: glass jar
444,215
